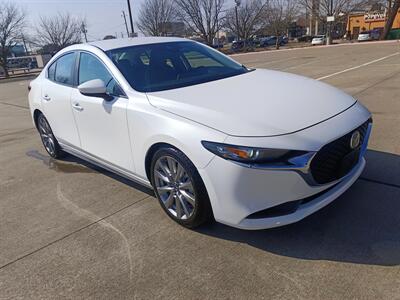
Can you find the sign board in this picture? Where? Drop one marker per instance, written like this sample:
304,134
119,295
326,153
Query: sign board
373,17
330,18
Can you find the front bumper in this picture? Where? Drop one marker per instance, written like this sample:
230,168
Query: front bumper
238,193
307,208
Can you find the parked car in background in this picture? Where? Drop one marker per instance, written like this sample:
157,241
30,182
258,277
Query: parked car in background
271,41
199,128
305,38
217,43
318,40
242,45
369,35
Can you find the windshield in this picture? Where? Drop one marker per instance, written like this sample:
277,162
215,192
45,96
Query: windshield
164,66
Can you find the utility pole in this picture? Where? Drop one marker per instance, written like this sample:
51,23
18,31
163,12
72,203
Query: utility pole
329,19
84,30
126,24
24,42
237,18
130,18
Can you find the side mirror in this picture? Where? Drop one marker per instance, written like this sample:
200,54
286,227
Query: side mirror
94,88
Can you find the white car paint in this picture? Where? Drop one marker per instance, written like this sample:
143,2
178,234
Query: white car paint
237,111
234,110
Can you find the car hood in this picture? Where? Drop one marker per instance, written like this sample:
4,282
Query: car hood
257,103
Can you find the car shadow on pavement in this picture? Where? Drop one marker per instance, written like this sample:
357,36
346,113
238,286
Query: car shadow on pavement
73,164
362,226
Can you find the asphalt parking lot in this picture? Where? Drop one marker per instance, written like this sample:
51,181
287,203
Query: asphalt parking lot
71,230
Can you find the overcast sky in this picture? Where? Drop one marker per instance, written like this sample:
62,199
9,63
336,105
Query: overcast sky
103,16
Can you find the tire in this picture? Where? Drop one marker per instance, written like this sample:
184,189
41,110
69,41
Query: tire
185,198
49,141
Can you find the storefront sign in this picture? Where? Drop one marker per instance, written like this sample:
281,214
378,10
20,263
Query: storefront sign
372,17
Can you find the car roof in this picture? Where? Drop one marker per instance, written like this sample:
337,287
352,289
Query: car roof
106,45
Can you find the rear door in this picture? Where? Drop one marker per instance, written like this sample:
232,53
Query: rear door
56,99
102,123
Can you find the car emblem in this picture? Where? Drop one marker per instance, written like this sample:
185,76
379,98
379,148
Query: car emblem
355,139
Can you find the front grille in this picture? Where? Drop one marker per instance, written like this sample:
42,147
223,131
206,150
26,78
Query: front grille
336,159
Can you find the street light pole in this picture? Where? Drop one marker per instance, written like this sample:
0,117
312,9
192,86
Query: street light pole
130,17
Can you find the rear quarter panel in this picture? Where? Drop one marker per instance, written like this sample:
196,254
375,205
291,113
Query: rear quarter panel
35,95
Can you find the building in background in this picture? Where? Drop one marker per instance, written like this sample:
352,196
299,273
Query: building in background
298,28
365,21
17,50
174,29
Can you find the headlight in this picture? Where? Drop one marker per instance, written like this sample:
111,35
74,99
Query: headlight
252,155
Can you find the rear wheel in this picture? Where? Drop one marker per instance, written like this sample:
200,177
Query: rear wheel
48,139
179,188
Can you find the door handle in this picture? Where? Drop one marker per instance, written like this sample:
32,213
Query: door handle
46,97
77,107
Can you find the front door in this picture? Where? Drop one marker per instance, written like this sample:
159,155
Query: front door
56,97
102,123
356,32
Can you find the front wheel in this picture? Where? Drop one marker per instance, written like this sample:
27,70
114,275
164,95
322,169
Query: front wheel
48,139
179,188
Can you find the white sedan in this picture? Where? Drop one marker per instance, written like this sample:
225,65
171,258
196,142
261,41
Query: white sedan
318,40
198,127
368,35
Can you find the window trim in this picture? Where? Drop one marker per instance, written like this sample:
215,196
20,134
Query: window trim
73,73
105,66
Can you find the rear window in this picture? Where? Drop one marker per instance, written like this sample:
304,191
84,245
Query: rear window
52,71
61,70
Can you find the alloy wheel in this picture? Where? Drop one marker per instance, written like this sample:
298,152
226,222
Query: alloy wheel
174,187
47,136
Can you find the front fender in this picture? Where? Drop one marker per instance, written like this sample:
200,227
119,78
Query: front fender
149,125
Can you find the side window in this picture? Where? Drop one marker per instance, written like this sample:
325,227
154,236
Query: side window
92,68
63,69
52,71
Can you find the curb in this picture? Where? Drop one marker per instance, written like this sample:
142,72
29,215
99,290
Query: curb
318,47
19,78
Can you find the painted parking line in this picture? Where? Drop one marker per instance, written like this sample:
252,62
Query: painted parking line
357,67
299,65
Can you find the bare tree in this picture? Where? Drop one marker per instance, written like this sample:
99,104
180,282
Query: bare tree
332,7
203,17
12,21
391,16
320,9
59,31
155,17
250,18
281,13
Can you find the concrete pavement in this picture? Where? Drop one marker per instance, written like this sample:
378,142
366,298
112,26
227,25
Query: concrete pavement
71,230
